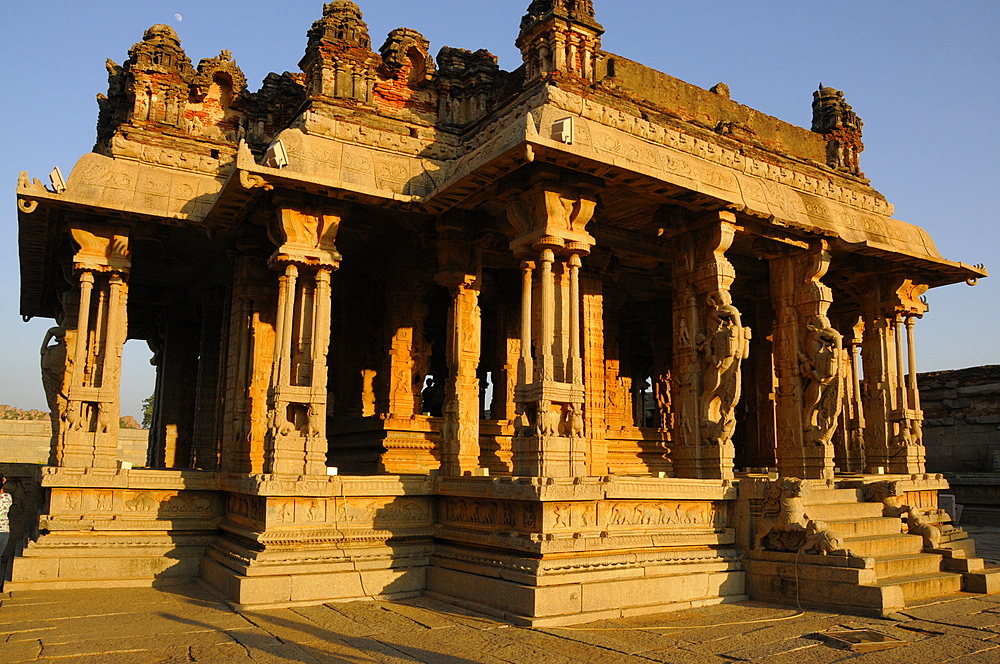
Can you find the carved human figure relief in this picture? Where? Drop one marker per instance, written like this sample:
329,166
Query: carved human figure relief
664,405
820,366
725,345
54,370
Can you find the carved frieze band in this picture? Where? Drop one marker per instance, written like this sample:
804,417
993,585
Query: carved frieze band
148,504
535,517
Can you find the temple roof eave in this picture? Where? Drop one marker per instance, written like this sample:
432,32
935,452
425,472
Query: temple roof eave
389,171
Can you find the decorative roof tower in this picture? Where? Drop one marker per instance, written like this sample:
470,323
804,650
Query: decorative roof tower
560,36
836,120
339,61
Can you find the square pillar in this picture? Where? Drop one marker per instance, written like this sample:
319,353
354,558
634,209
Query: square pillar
460,272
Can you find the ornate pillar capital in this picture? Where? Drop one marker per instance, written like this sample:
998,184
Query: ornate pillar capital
553,215
101,249
306,234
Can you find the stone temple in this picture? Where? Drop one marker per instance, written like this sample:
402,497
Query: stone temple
555,344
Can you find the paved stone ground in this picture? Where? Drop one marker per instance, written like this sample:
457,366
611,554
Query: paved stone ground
186,624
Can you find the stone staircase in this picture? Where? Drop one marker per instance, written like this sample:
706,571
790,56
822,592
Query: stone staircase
887,569
899,558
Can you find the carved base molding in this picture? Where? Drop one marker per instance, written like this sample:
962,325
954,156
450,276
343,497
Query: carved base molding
531,550
566,590
62,560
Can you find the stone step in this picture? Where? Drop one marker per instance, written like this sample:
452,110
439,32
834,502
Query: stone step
831,496
967,546
953,534
878,546
919,586
843,511
910,564
866,526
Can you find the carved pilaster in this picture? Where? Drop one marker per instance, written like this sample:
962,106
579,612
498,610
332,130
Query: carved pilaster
306,255
710,344
808,356
88,429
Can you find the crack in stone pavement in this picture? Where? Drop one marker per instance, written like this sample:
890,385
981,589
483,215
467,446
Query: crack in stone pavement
948,624
970,654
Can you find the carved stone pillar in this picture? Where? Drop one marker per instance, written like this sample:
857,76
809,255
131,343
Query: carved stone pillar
710,344
893,435
594,407
306,255
250,352
460,273
174,405
808,357
550,221
460,430
208,401
850,452
88,429
759,442
408,361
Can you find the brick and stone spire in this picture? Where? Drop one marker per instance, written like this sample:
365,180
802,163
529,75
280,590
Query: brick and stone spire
339,61
836,120
341,23
559,36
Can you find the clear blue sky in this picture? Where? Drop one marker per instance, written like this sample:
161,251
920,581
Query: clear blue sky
922,75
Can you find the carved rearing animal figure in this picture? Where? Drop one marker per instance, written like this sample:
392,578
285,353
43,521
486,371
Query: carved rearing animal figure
783,514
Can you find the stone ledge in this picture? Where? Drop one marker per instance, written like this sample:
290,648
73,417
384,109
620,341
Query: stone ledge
112,478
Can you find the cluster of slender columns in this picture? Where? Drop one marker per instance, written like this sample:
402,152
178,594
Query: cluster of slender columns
891,400
82,371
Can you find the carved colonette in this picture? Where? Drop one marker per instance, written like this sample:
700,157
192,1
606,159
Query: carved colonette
306,256
550,222
87,402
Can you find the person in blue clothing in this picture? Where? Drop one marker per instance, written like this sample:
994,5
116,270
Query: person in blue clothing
5,502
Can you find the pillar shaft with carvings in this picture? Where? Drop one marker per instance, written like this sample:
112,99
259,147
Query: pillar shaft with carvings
710,344
460,272
808,357
88,427
306,257
550,221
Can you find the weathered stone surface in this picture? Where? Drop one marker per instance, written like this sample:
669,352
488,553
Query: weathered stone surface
529,341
